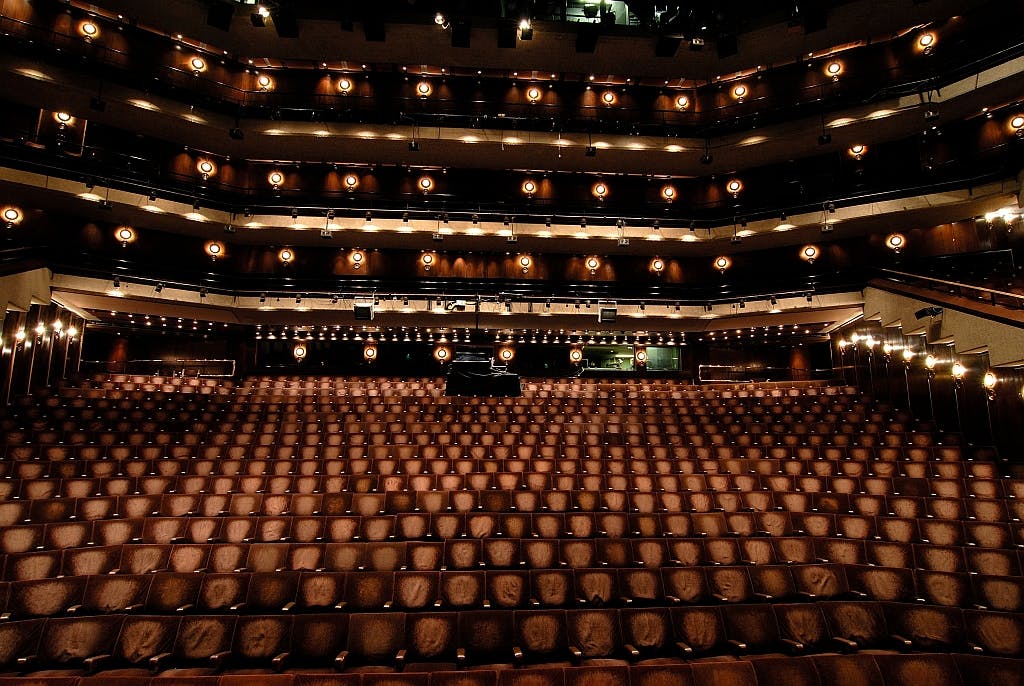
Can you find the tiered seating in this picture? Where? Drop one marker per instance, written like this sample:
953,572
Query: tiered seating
328,531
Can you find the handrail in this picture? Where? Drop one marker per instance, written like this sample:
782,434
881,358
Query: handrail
958,284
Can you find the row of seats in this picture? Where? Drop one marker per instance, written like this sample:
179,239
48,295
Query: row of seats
409,590
108,558
768,670
824,529
398,641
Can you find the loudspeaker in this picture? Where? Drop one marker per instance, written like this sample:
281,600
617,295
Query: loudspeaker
285,22
928,312
507,33
363,311
219,15
461,33
586,37
666,46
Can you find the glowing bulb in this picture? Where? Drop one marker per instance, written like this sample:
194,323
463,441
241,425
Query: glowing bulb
682,102
908,354
198,64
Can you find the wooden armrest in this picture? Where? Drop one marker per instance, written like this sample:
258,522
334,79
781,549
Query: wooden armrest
134,608
845,644
340,606
339,660
238,607
684,650
902,643
719,597
400,660
26,663
156,662
218,659
460,657
279,662
288,607
95,663
185,608
631,650
517,653
73,609
576,654
739,646
387,605
794,647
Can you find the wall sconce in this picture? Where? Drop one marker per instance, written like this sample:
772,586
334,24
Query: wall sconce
908,355
734,186
427,260
534,94
358,258
299,351
265,83
525,262
668,192
345,85
990,381
575,355
857,151
425,184
369,352
286,255
506,354
682,102
424,89
600,190
895,242
834,69
351,182
12,215
926,42
442,354
275,179
206,168
593,264
88,30
722,263
1017,125
739,92
608,98
63,119
958,370
657,265
214,249
529,187
809,253
126,235
198,65
640,356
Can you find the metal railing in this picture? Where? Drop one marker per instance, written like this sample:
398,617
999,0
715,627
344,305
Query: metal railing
183,368
991,295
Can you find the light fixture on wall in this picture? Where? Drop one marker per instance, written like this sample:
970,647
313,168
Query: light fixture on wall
351,182
834,69
206,168
12,216
299,351
126,235
668,192
809,253
198,65
593,264
534,94
425,184
427,260
895,242
358,258
682,102
722,263
369,352
264,83
857,151
657,265
600,190
275,178
286,255
739,92
525,262
529,187
734,186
